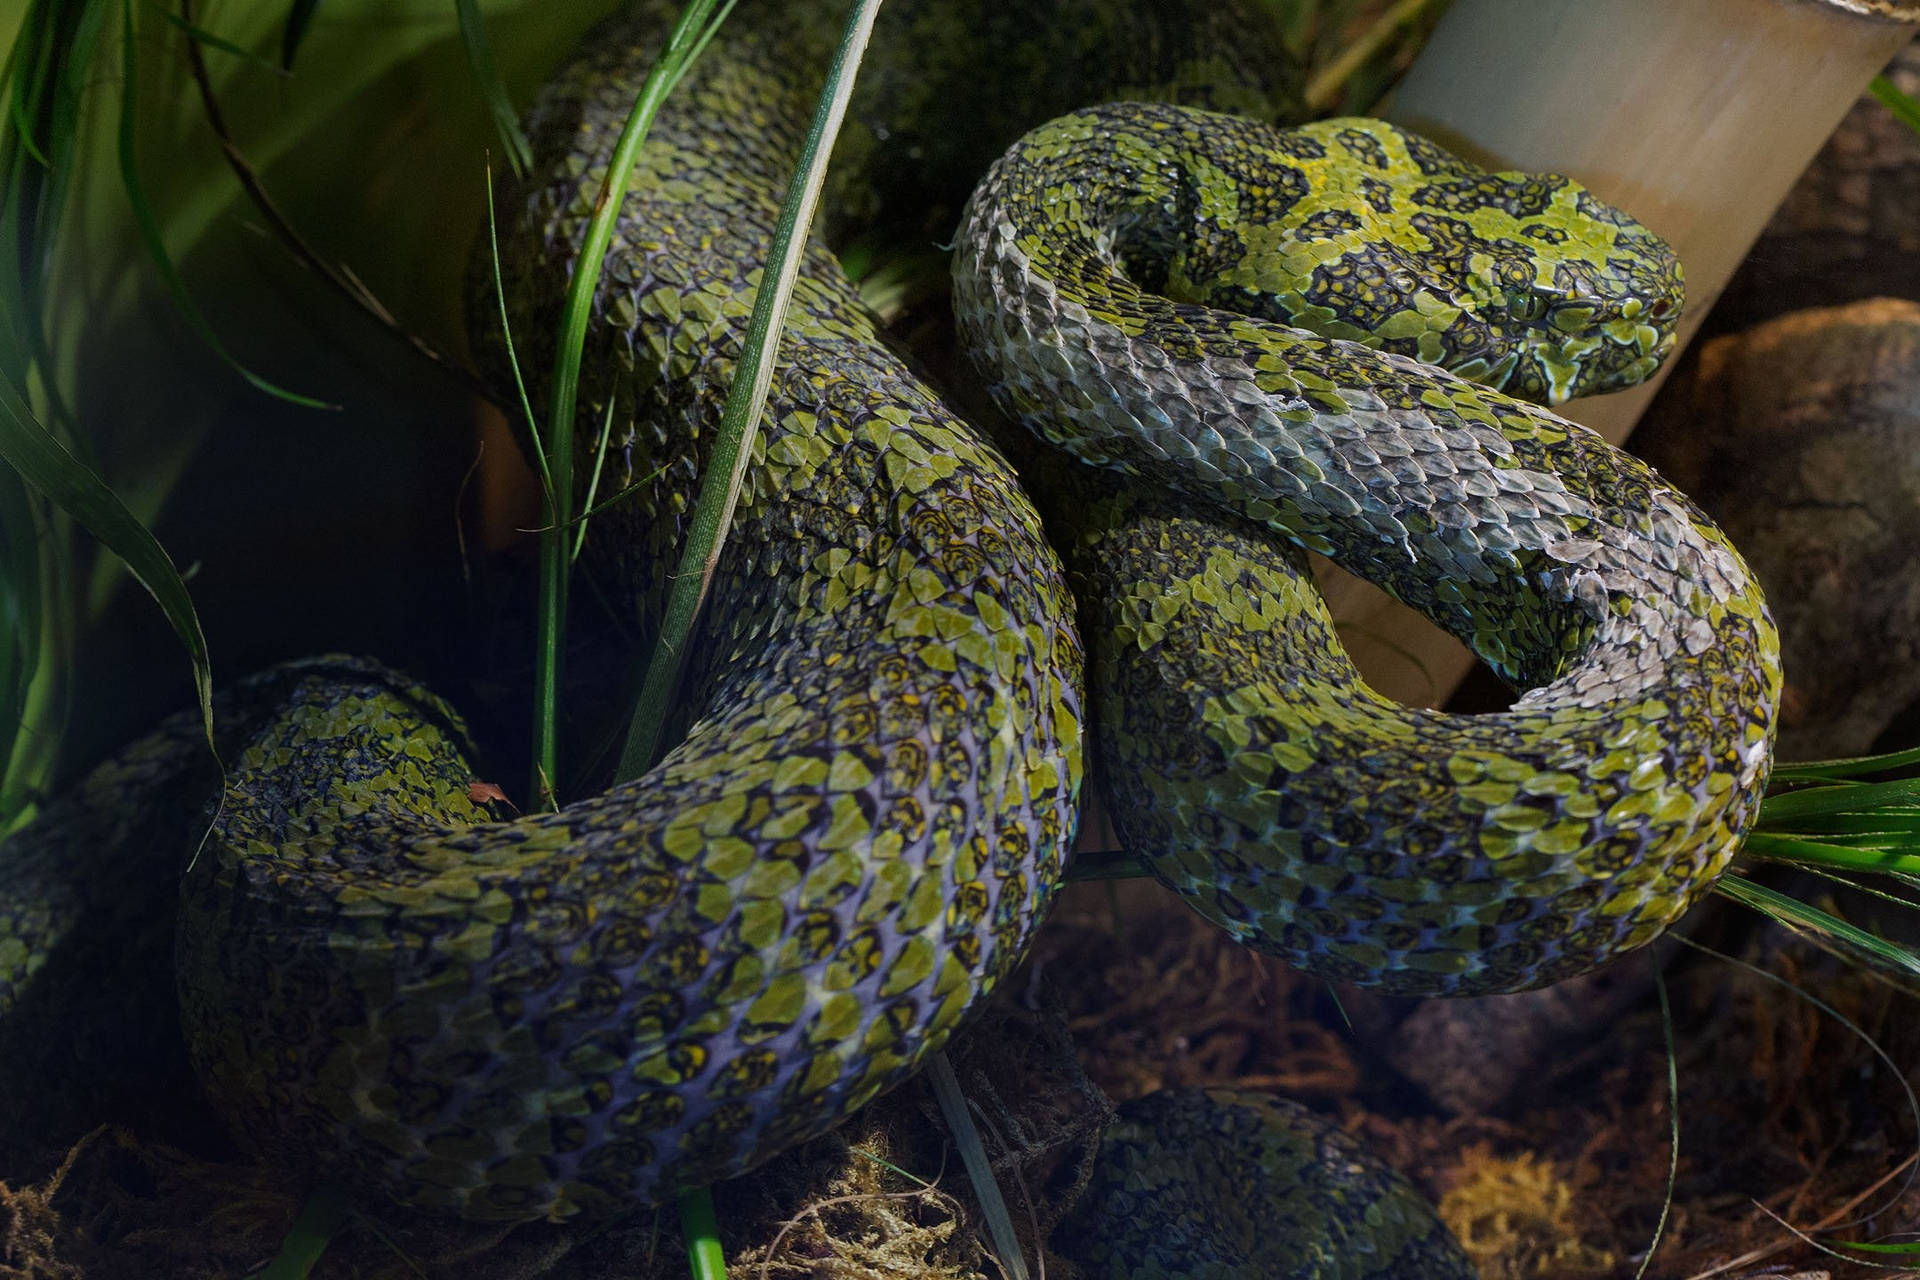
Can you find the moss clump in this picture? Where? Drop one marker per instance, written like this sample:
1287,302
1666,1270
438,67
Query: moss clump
1514,1215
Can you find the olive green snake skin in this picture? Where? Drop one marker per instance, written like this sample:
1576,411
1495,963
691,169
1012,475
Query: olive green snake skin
869,813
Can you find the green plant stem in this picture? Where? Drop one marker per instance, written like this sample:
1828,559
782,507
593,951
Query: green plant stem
746,399
701,1229
953,1106
687,38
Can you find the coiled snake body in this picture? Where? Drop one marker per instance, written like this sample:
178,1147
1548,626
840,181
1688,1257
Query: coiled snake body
668,983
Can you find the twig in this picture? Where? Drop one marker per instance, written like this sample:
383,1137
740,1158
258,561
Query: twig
1758,1255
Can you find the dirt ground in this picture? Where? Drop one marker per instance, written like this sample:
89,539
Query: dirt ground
1789,1122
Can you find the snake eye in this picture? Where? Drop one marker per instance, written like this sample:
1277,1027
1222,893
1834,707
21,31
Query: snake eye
1525,304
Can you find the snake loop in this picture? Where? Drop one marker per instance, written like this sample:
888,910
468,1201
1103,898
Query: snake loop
1366,841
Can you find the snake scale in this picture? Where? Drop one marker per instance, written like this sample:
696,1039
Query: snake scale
869,812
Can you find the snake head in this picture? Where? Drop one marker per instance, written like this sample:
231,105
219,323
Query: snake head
1583,300
1525,282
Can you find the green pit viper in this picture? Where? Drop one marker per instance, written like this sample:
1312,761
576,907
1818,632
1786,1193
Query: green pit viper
878,784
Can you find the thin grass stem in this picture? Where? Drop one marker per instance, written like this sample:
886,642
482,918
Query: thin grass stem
973,1155
555,560
701,1229
1673,1112
746,399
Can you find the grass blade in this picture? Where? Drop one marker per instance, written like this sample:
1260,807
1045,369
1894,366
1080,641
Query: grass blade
22,594
1852,797
746,399
299,18
319,1220
149,224
1847,767
506,121
1105,864
1786,847
953,1106
1673,1112
701,1229
1820,926
201,36
1905,107
1323,91
71,485
688,37
348,285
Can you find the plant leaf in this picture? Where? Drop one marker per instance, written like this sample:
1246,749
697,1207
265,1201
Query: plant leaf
319,1220
1905,107
71,485
701,1230
506,121
299,17
973,1155
746,399
1821,926
149,224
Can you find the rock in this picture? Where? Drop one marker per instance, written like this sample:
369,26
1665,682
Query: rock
1802,438
1475,1056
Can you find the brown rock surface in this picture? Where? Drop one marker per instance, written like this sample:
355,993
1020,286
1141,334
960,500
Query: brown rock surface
1802,438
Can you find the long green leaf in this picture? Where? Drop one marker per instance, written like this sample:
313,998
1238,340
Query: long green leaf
746,400
506,121
688,37
313,1229
1909,1249
1821,925
1905,108
1789,848
21,622
200,35
299,18
1791,806
149,224
701,1230
1847,767
71,485
973,1155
